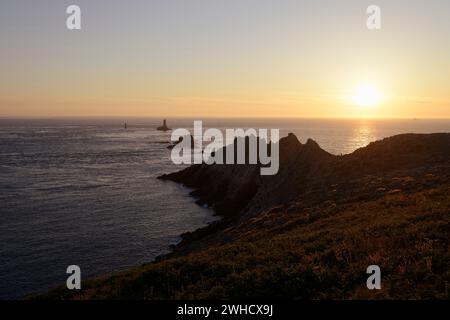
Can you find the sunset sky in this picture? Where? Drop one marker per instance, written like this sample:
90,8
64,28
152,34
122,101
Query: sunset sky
225,58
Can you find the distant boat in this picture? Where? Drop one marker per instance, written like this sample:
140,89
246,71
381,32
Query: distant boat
125,126
164,127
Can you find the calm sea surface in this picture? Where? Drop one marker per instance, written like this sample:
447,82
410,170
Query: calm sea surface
84,191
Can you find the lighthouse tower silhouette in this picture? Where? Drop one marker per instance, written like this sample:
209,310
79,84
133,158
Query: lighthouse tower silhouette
164,127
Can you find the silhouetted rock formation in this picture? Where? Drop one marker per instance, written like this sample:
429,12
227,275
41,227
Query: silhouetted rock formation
171,146
306,169
310,231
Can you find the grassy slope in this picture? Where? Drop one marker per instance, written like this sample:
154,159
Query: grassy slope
317,251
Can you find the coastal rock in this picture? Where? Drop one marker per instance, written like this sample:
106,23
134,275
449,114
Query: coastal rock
171,146
287,236
306,169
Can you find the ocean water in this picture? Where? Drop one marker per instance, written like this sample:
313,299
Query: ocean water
84,191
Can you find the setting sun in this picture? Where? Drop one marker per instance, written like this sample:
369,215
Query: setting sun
367,96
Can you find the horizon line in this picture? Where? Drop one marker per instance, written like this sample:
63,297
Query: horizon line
124,117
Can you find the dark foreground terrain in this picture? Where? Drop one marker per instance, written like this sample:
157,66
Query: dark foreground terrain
310,231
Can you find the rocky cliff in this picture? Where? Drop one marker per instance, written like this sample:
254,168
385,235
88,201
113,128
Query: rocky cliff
310,231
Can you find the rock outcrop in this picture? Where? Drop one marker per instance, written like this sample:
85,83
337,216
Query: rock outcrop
306,169
310,231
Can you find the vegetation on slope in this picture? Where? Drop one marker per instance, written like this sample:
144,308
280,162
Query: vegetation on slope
315,246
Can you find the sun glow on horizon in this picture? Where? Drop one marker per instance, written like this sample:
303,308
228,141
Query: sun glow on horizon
169,59
367,95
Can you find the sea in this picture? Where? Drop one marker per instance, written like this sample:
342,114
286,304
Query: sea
84,191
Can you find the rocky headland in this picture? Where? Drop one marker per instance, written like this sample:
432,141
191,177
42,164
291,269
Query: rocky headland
309,231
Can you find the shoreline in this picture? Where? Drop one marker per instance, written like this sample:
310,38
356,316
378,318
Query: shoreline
401,177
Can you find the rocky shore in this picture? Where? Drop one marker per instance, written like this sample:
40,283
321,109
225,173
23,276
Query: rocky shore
311,230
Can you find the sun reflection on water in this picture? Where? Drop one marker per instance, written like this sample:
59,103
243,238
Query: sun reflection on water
362,136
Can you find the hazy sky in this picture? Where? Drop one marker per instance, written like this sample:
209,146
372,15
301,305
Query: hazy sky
235,58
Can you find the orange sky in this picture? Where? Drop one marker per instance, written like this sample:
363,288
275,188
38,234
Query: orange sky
258,59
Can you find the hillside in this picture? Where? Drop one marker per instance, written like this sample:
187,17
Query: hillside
311,230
